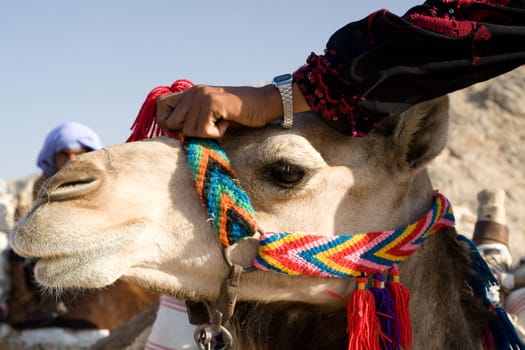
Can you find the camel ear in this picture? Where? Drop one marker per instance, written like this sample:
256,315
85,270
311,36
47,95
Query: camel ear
421,133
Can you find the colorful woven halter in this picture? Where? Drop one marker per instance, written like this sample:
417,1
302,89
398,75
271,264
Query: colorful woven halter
214,179
232,215
378,316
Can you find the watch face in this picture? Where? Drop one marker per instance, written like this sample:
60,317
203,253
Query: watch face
282,78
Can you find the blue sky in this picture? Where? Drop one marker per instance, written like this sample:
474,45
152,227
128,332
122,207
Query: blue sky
94,61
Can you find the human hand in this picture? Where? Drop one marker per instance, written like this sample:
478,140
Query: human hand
207,111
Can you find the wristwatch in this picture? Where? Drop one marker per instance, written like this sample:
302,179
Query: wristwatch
284,84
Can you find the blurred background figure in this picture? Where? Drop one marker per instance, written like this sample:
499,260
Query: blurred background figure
7,214
89,315
63,143
491,236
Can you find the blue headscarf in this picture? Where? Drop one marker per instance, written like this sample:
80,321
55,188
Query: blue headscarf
69,135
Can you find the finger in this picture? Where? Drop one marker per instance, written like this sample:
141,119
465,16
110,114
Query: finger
207,120
208,125
165,107
179,114
191,121
162,120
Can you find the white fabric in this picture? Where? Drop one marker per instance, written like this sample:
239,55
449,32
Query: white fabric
50,338
171,330
499,263
515,304
503,251
507,281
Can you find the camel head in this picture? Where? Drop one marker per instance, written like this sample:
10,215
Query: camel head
130,211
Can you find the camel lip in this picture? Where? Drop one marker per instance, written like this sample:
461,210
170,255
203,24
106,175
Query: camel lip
50,256
53,268
54,251
64,271
79,260
28,243
79,257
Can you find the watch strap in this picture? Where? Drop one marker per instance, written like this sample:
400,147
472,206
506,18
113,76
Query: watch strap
284,84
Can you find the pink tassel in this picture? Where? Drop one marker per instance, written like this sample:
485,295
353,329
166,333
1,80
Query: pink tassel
145,125
363,325
401,297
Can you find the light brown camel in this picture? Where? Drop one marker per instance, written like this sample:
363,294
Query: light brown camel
145,224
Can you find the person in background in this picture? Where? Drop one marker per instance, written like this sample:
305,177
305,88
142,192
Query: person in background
30,306
63,143
491,236
7,214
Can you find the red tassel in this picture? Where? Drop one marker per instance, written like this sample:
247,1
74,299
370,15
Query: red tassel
487,339
363,325
145,125
401,297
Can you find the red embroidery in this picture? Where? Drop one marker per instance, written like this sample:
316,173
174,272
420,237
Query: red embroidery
445,26
481,34
453,29
328,100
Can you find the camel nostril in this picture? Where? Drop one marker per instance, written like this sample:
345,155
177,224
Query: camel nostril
72,189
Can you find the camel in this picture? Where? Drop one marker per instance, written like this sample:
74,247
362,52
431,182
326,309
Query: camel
129,211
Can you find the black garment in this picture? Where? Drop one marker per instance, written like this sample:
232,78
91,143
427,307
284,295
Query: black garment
384,64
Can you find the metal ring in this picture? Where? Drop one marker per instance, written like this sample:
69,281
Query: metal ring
207,338
226,254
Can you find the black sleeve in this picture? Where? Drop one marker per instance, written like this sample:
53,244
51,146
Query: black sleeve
383,64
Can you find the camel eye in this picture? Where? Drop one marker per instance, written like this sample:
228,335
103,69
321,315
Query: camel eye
285,174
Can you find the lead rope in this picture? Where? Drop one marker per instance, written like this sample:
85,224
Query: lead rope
356,255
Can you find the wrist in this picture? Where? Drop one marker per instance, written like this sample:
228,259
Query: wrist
299,102
272,106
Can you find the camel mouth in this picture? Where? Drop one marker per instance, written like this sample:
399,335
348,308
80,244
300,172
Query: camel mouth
72,189
65,269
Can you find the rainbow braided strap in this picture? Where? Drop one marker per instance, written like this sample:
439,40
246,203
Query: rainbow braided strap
350,255
216,183
232,215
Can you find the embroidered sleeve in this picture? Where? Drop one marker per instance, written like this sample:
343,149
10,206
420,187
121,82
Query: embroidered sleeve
383,64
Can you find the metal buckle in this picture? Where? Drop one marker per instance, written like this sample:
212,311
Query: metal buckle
208,337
